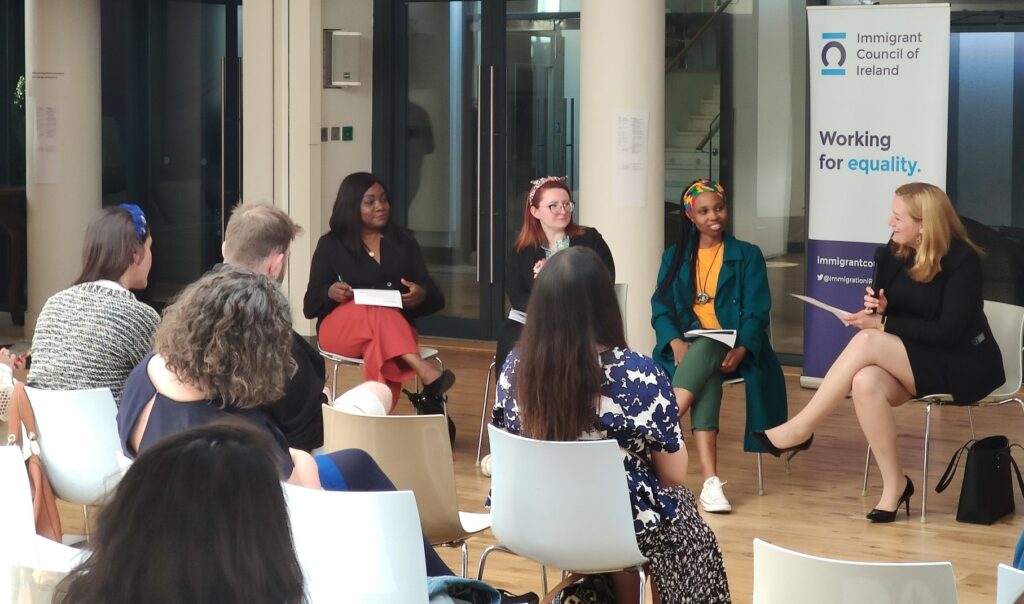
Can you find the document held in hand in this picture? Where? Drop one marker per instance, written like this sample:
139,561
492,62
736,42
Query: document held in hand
838,312
725,336
378,297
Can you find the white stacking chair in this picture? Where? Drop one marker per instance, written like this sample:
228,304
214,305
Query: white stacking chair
621,290
415,453
21,550
529,521
78,443
1007,324
782,576
358,548
1009,584
338,360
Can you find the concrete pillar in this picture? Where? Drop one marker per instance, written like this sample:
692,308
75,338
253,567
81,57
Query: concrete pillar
627,76
62,37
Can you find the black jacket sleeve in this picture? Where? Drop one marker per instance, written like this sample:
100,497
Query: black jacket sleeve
961,302
434,300
598,244
519,277
322,274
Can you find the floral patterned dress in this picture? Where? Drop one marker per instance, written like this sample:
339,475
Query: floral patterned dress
638,409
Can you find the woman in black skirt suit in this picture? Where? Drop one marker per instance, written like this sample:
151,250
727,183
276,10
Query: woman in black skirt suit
547,228
924,332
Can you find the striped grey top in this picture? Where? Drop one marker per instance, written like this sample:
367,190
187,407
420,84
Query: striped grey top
90,336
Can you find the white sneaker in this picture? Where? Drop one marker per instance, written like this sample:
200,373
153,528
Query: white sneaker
712,499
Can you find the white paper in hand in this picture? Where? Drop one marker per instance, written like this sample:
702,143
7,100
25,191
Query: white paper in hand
725,336
838,312
378,297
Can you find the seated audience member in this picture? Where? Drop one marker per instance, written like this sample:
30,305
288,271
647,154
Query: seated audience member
258,237
571,377
93,333
199,517
366,249
222,350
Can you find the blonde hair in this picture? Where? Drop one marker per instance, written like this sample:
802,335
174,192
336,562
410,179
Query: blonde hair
930,206
229,334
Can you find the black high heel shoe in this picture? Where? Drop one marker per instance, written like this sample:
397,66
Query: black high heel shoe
766,442
877,515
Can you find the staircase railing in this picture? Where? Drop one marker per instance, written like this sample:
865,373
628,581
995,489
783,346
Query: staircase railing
678,59
713,127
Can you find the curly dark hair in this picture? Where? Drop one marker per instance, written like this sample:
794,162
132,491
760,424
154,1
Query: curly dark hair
229,335
199,517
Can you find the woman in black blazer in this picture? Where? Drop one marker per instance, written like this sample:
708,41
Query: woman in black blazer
364,249
924,331
547,228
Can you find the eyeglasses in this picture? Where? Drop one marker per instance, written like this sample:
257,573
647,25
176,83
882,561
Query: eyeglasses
565,206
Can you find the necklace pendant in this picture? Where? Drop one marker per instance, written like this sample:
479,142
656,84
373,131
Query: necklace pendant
370,253
703,298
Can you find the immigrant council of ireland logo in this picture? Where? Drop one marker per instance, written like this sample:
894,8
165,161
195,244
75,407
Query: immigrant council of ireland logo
833,54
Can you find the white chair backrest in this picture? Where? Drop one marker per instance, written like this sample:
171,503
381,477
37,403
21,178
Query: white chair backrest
784,576
364,548
1009,584
563,504
1007,323
78,442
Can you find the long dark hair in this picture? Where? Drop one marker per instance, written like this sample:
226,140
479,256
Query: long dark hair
111,245
572,312
346,223
199,517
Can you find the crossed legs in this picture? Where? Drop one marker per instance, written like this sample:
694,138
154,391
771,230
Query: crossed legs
875,367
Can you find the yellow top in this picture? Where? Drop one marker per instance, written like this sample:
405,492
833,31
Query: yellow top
709,264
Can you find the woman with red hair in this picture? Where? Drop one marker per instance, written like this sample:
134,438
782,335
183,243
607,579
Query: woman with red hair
548,227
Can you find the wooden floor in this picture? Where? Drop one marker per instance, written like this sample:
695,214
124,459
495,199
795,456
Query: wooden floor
817,509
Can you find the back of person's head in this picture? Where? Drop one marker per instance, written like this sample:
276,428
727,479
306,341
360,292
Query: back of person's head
572,312
229,335
257,232
114,240
929,205
199,517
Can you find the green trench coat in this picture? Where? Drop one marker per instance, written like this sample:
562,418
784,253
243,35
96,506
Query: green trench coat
742,302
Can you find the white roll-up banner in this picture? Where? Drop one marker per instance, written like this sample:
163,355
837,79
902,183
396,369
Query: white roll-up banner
879,78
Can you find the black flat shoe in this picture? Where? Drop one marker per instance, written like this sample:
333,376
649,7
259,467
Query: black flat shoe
877,515
766,442
432,404
441,385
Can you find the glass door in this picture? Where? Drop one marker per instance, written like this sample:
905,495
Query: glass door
171,127
483,97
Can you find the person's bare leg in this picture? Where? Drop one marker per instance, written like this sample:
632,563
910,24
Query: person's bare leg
426,370
626,585
875,393
706,442
868,347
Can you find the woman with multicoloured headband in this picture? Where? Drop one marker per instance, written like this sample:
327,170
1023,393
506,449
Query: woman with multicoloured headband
548,227
711,280
92,334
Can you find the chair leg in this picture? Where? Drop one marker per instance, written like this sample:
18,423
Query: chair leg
924,476
970,418
483,411
465,560
334,383
760,476
483,558
643,580
85,510
543,579
867,462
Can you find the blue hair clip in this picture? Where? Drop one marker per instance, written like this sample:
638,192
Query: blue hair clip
138,219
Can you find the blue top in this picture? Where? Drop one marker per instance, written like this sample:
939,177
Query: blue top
169,416
637,409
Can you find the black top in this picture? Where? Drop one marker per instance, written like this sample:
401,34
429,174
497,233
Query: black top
943,326
169,416
298,414
519,270
398,260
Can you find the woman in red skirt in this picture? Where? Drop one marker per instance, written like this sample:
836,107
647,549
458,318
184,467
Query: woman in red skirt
364,249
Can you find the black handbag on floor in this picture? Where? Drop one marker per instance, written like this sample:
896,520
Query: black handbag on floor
987,491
